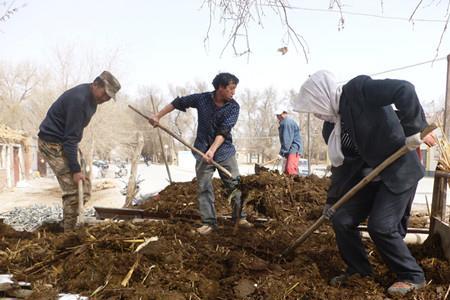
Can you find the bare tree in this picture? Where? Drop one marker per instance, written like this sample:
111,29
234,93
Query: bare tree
9,8
112,128
257,127
152,146
239,15
17,84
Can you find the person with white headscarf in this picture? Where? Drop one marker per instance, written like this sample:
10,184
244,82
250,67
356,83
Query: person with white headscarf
362,129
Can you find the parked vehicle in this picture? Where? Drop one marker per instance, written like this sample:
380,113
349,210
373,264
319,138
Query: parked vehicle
101,164
121,170
102,167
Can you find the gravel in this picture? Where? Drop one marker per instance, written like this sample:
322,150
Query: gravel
30,218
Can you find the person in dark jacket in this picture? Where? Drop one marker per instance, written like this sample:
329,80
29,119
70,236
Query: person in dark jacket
62,130
362,130
291,142
217,113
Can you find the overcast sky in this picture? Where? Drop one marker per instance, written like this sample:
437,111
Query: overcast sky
161,42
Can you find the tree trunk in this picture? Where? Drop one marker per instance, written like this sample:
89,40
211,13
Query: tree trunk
131,191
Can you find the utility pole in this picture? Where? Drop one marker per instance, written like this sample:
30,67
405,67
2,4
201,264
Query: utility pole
447,101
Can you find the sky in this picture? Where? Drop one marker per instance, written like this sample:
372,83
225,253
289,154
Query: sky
161,43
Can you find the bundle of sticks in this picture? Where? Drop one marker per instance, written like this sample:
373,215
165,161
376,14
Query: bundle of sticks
444,149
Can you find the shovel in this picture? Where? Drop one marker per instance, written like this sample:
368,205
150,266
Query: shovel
399,153
80,202
259,166
218,166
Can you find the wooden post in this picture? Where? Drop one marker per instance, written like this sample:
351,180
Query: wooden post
438,222
131,191
447,101
439,202
163,151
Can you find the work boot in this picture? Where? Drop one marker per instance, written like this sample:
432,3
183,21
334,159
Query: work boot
243,223
401,288
339,280
205,229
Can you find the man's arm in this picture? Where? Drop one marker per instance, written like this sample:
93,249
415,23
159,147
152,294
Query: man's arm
154,119
73,132
218,141
180,103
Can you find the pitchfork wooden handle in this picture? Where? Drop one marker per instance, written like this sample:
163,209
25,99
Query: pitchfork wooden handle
222,169
428,130
400,152
80,202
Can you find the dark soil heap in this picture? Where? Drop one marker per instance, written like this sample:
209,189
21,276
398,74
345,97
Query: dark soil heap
100,261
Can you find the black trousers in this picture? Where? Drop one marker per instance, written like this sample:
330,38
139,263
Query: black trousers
387,215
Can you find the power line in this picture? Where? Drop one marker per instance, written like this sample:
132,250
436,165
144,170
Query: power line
409,66
364,14
403,67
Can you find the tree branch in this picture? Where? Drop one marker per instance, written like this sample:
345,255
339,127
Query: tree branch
10,10
240,14
417,7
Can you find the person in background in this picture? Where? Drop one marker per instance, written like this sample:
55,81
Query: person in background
291,143
217,113
362,130
62,130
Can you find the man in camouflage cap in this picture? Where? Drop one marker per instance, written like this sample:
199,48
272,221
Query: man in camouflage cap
61,132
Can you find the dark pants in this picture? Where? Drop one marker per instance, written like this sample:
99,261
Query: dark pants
204,172
388,215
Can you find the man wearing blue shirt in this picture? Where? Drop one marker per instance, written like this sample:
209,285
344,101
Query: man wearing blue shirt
62,130
217,113
291,142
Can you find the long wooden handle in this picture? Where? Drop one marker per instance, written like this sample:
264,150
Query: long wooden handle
269,162
375,172
222,169
161,144
80,202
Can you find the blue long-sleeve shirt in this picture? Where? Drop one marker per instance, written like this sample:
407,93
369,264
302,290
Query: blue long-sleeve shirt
290,139
66,120
212,121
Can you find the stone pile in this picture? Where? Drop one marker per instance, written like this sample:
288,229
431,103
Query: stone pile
32,217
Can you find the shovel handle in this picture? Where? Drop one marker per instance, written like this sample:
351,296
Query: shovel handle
222,169
400,152
80,201
269,162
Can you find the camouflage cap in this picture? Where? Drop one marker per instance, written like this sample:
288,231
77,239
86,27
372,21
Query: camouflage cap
112,85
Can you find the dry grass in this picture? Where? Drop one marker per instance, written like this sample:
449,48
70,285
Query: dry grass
444,149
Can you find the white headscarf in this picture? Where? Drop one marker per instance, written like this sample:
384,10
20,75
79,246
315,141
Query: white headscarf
320,95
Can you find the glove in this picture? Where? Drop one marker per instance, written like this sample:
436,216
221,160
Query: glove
328,212
412,142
